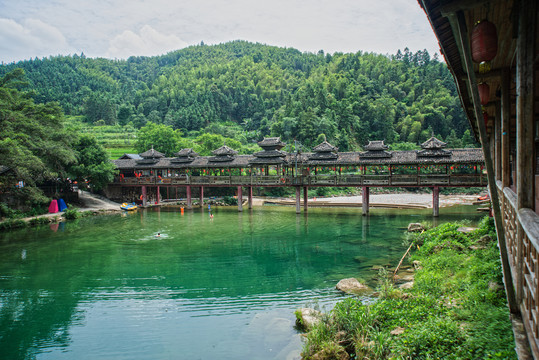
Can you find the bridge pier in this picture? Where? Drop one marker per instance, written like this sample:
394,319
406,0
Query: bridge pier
250,197
435,201
240,200
365,199
188,191
157,196
144,196
202,196
305,199
298,200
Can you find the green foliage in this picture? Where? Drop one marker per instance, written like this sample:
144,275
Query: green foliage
12,224
159,137
93,163
456,309
386,287
72,214
261,90
405,146
33,142
229,200
6,211
39,221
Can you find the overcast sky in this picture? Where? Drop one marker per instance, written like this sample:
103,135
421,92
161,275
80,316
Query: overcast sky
119,29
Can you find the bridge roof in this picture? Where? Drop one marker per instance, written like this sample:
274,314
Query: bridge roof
412,157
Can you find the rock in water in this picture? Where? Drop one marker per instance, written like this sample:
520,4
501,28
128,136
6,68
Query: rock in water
415,227
307,318
351,286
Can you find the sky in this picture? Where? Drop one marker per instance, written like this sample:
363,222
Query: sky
117,29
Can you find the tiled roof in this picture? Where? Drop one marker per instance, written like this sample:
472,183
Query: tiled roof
273,143
325,147
376,146
152,154
224,150
433,143
186,152
323,156
270,153
130,156
457,156
433,153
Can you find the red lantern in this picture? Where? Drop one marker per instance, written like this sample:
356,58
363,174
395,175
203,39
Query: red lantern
484,93
484,41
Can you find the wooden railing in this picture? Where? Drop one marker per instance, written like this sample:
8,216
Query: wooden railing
521,228
396,180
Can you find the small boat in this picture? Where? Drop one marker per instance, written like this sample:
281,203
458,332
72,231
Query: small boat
484,197
128,207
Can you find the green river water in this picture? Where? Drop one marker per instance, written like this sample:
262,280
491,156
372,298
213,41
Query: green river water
224,288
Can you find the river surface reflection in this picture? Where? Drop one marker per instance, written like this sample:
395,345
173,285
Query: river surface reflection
224,288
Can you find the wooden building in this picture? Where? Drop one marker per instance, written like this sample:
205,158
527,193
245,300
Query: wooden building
490,48
431,167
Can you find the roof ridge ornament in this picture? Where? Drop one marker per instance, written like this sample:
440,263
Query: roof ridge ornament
376,149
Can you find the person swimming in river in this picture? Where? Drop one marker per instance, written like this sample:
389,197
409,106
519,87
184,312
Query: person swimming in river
211,216
158,235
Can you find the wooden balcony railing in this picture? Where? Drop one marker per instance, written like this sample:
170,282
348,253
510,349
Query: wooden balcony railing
521,228
397,180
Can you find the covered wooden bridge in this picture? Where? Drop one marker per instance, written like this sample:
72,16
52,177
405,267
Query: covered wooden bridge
377,166
491,48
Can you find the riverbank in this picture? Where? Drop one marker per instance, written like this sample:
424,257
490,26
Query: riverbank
455,309
89,203
97,205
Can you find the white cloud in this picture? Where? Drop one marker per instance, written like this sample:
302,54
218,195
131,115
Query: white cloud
119,29
30,38
148,42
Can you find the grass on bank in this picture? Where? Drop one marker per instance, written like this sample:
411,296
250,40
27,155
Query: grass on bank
455,310
17,222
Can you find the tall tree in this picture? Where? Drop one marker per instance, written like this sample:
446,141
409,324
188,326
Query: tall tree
93,167
34,145
159,137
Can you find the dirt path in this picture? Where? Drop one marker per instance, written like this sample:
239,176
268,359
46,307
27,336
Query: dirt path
89,202
92,202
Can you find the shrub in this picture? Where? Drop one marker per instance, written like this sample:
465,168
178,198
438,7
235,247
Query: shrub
452,312
72,214
229,200
12,224
6,211
39,221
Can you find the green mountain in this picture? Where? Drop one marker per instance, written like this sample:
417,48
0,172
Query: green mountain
261,90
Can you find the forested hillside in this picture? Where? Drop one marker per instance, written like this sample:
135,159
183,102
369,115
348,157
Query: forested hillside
265,90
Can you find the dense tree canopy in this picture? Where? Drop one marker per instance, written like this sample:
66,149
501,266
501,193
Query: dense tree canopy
93,166
36,148
33,142
263,90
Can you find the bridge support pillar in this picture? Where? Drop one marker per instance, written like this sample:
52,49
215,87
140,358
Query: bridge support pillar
144,196
365,199
240,199
158,195
305,199
202,196
435,201
188,191
298,200
250,197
